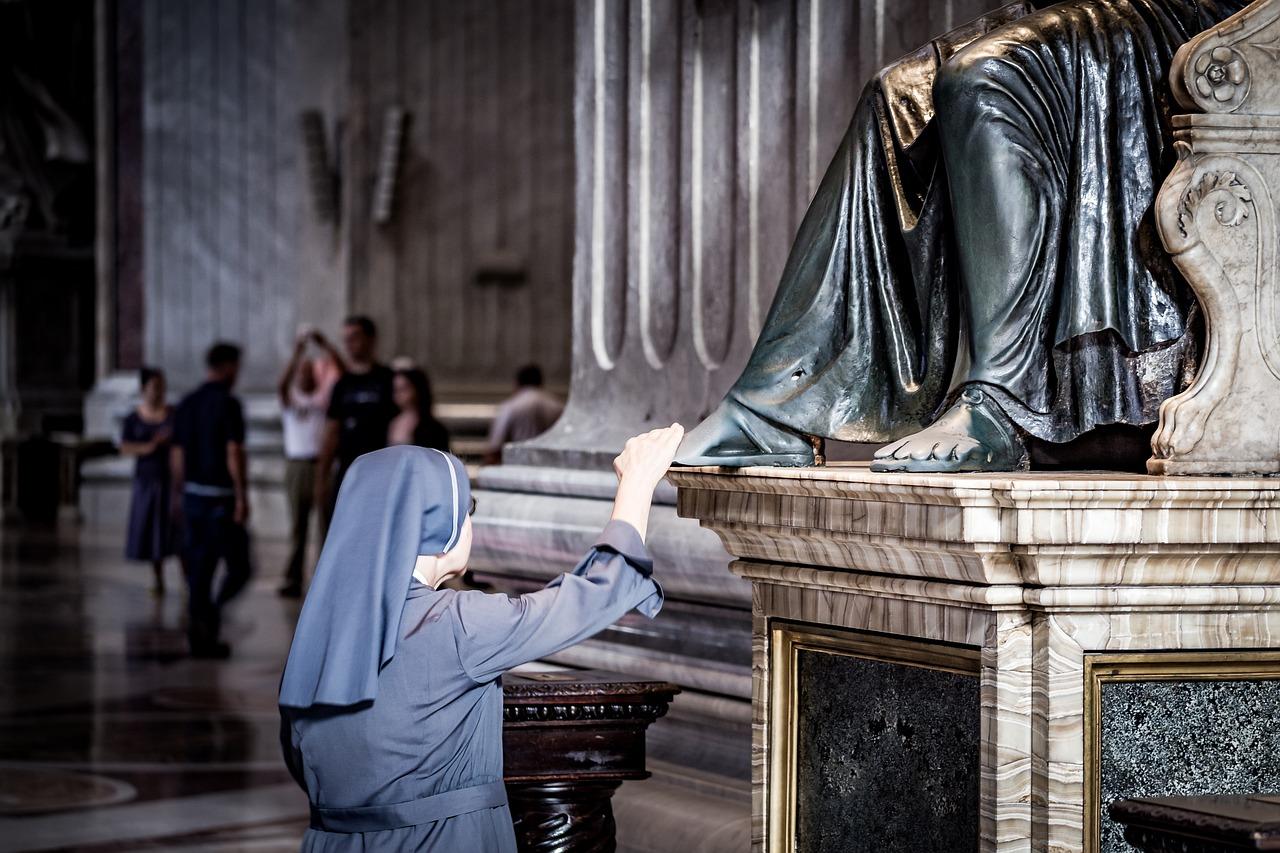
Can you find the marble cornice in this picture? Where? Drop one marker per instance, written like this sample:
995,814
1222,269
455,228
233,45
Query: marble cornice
1033,530
883,586
1015,597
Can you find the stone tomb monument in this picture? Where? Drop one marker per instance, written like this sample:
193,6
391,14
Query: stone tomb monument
949,662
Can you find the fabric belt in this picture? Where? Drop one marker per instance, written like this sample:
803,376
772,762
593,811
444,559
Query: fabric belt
411,813
201,490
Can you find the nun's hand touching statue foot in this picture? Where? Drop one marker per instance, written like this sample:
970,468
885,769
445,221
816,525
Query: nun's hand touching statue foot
640,466
390,705
978,266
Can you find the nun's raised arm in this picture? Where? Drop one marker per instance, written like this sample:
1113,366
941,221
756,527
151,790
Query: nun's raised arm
497,632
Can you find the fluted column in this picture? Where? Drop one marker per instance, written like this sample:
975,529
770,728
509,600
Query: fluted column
701,131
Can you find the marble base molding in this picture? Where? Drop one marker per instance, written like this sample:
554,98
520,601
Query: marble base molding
1052,582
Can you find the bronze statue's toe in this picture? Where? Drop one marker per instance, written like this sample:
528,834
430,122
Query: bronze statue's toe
973,435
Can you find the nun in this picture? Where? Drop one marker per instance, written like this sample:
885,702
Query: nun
390,704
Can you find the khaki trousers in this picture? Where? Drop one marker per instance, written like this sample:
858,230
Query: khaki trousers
299,490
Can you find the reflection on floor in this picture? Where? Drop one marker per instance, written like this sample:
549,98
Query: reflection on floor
111,738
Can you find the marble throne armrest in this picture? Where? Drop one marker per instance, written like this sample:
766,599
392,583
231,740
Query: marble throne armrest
1217,219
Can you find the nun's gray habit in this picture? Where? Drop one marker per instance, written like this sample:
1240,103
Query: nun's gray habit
391,708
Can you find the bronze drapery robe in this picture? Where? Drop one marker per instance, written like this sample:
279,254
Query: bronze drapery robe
986,219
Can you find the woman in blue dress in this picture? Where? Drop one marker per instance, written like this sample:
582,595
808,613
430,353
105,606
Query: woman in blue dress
152,535
391,708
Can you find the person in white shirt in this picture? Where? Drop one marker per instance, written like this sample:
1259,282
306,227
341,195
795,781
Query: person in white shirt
526,414
303,401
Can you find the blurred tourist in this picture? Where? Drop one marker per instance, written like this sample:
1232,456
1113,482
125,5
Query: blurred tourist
361,407
152,535
527,413
209,471
303,401
416,423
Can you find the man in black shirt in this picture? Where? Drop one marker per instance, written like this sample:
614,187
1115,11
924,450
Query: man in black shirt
361,407
209,474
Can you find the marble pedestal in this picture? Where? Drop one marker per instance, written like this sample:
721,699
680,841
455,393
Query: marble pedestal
976,662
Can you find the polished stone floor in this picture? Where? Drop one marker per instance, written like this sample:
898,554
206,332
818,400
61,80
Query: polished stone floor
111,738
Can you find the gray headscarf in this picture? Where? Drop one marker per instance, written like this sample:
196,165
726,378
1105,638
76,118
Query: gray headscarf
394,505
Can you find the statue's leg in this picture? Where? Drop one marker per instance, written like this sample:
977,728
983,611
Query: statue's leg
860,340
735,436
1054,135
1002,141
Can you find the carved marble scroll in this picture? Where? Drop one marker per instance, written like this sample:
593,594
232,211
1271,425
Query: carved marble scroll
1217,219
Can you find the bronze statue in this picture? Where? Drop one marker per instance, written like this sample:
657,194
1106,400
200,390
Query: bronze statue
979,264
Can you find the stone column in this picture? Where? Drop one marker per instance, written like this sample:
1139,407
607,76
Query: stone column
9,408
117,49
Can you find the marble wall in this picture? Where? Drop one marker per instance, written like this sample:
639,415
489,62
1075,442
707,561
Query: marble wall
468,271
471,273
230,246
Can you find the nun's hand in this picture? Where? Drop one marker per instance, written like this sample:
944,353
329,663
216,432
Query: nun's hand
640,467
645,458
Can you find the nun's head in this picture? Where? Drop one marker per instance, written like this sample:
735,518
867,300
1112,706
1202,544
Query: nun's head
399,509
435,569
403,507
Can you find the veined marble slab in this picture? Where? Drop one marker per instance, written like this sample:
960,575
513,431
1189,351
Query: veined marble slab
1078,529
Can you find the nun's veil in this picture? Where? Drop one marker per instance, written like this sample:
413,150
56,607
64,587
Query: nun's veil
394,505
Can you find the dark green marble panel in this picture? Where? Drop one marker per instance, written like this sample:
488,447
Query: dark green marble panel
1172,738
887,757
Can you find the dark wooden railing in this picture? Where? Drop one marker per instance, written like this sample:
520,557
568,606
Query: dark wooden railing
569,740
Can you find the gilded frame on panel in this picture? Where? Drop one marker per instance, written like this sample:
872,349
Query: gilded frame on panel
786,641
1103,668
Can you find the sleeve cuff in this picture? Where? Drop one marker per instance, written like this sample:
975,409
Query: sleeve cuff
624,540
651,605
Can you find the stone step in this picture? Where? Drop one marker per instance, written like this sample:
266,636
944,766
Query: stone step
679,809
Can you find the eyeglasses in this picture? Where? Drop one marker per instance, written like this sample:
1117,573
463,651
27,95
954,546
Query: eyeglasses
472,511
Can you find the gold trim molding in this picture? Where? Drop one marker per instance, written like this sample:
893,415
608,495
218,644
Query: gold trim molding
1100,669
786,641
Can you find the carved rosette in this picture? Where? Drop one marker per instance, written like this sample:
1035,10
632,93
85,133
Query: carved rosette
1221,74
1232,68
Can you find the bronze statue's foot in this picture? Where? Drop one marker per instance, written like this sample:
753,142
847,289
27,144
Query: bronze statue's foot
973,435
735,437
